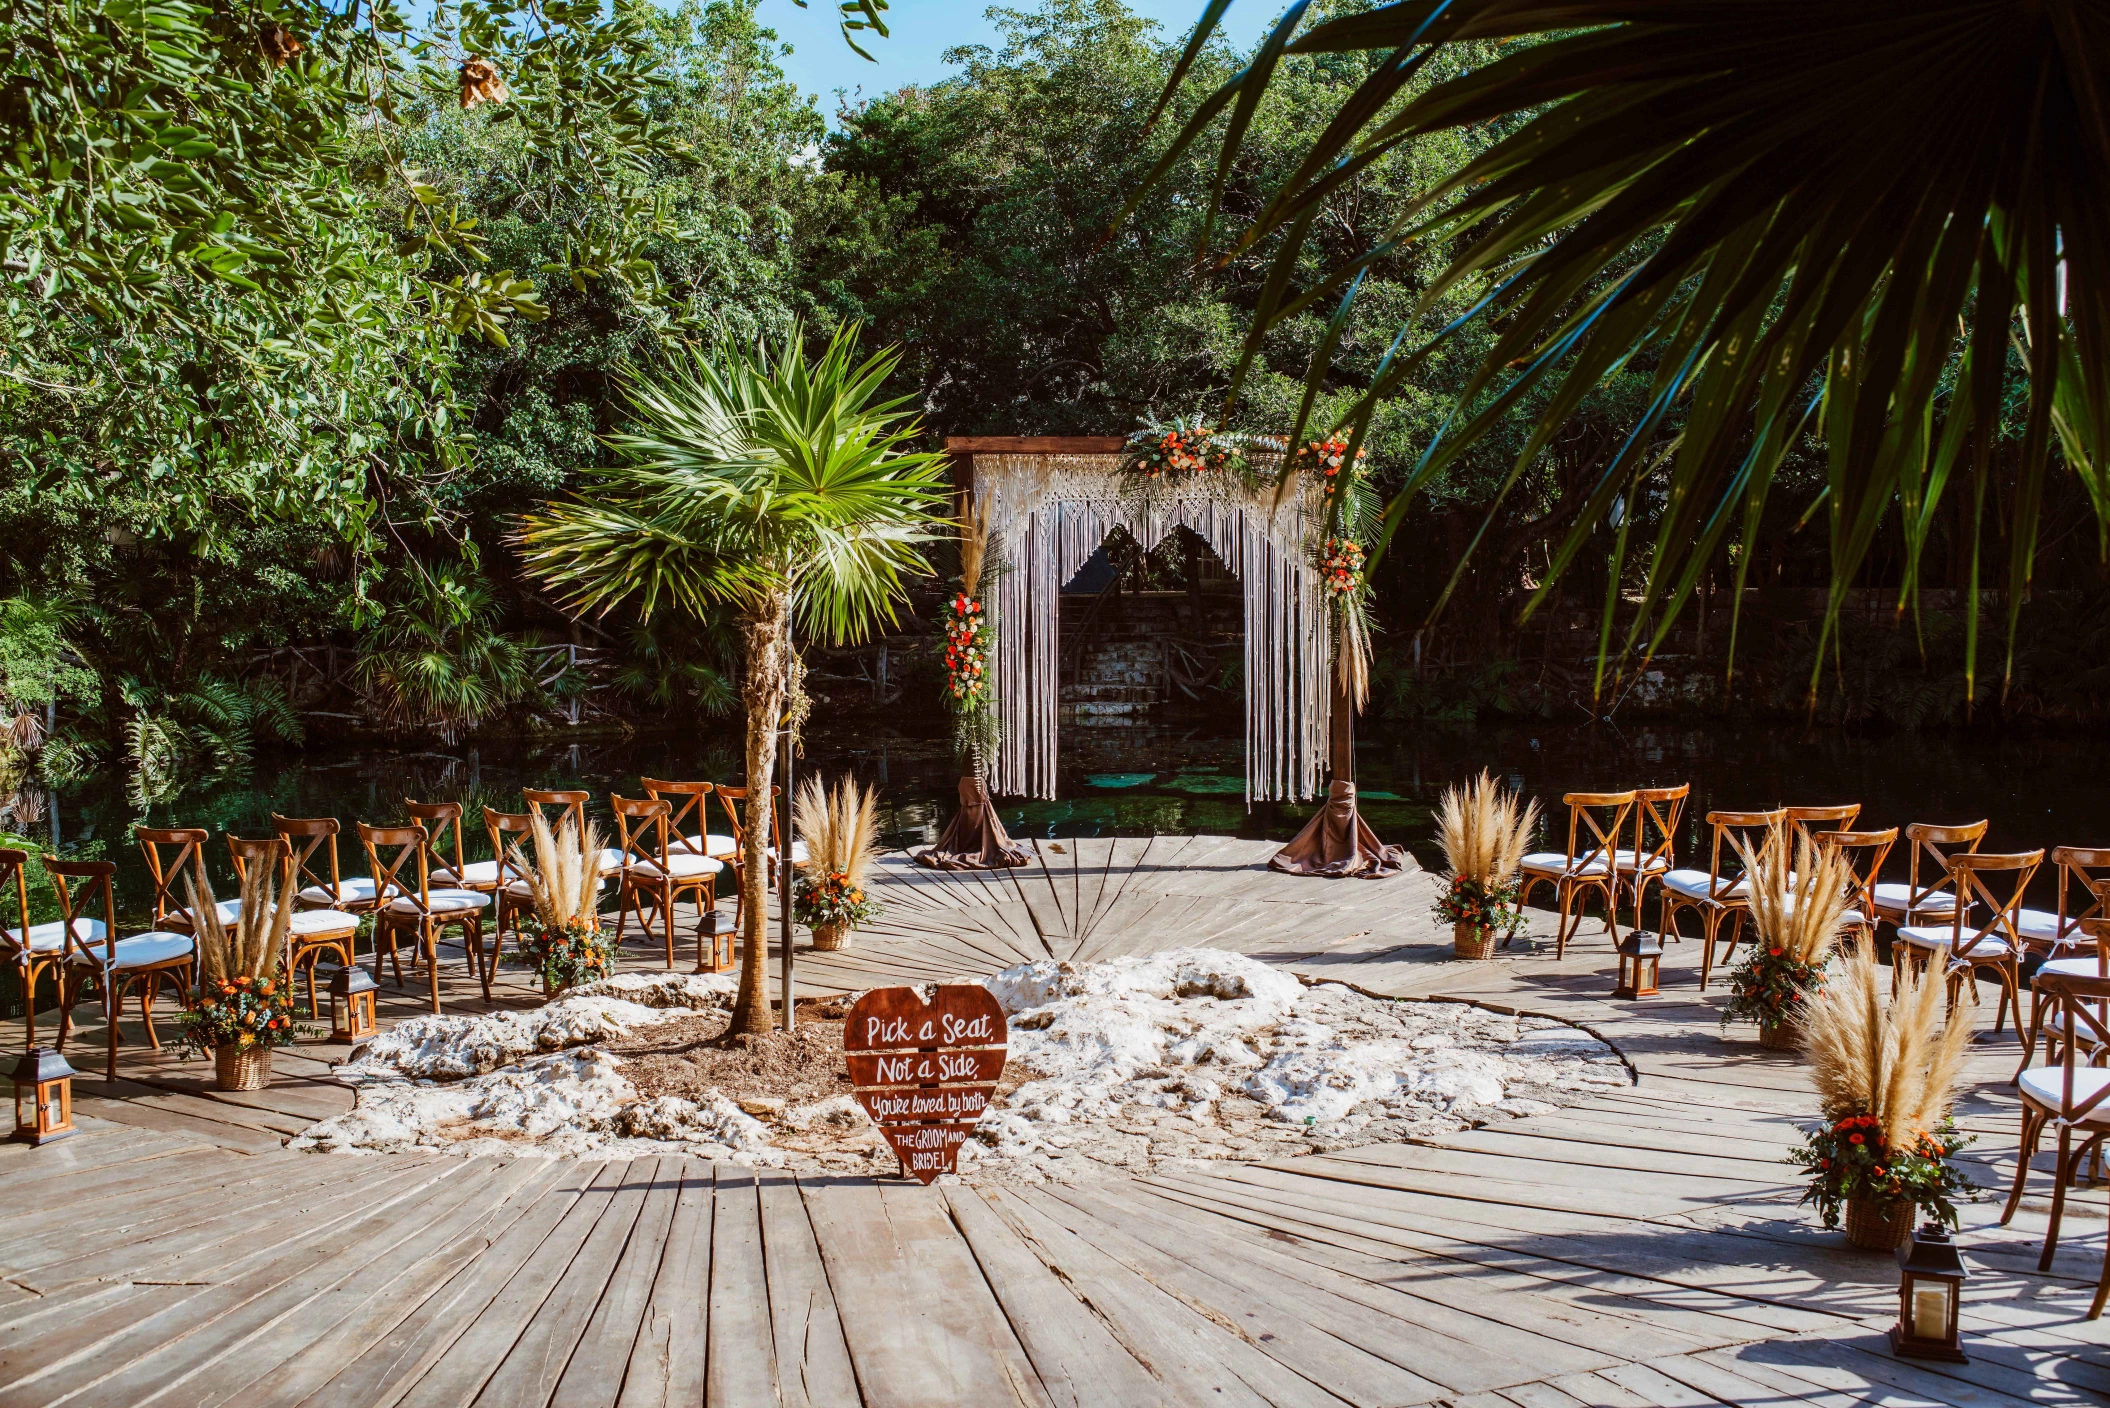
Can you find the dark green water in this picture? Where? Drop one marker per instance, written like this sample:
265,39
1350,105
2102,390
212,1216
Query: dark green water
2039,791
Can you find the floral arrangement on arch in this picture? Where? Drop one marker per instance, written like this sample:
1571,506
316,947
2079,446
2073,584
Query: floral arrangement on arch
1885,1072
1341,563
1795,915
1328,462
1183,447
970,646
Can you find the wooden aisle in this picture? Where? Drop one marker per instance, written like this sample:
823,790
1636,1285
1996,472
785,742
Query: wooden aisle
1642,1248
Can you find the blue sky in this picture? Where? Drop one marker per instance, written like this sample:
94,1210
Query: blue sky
922,30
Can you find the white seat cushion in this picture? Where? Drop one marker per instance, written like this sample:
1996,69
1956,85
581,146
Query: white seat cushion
798,852
681,867
141,950
1538,863
323,921
2072,967
2042,925
352,889
50,938
1891,898
442,902
2047,1086
611,859
712,844
1983,950
1636,860
1695,885
476,872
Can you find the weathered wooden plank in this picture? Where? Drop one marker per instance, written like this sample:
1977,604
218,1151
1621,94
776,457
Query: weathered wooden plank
593,1376
813,1361
1080,1363
742,1362
529,1370
668,1358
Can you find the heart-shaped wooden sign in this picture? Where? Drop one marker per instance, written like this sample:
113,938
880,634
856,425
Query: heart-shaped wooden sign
925,1071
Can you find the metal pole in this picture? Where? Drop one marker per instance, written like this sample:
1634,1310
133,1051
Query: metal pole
785,869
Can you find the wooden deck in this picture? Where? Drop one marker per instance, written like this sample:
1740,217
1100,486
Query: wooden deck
1643,1248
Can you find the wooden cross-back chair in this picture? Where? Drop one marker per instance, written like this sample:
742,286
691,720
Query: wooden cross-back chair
1806,822
2071,1095
571,805
653,870
1864,853
1996,882
2084,894
451,869
169,852
32,949
1926,896
316,877
508,830
690,803
1722,892
94,952
401,860
311,933
734,798
1657,811
1596,822
2088,957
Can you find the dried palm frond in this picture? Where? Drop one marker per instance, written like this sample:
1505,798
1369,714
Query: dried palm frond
840,828
1483,828
1796,908
1896,1059
564,883
974,547
252,946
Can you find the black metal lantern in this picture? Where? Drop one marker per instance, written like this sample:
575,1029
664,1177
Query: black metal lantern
1930,1295
352,1018
1640,959
714,942
43,1096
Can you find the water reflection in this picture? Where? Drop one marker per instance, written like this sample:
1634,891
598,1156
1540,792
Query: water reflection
2038,791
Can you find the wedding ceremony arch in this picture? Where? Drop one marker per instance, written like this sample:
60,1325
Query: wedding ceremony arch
1051,501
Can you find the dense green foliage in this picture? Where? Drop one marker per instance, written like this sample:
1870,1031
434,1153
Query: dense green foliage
292,337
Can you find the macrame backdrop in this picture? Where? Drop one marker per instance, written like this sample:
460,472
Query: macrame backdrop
1049,513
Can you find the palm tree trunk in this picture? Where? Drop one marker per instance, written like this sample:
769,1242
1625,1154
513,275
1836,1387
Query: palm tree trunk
763,693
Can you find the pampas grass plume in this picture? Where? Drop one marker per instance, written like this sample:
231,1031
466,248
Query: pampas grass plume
1897,1059
1483,829
840,827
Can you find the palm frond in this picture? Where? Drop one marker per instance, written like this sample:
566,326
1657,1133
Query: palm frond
1799,214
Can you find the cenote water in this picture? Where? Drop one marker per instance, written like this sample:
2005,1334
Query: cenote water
2039,791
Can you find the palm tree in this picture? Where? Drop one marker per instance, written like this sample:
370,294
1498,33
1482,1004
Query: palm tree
1885,220
759,480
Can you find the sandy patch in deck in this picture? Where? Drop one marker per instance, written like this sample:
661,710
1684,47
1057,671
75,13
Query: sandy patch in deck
1188,1057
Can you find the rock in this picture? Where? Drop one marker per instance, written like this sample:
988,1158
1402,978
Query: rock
762,1106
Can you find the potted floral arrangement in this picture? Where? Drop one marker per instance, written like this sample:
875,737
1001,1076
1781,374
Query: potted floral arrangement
1885,1073
1795,916
242,1009
841,830
565,945
1483,829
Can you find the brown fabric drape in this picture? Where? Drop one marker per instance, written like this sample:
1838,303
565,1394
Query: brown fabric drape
975,839
1338,843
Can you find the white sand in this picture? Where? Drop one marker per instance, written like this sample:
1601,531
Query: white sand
1189,1056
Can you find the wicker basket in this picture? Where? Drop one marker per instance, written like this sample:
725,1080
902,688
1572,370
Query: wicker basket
1468,941
830,938
1878,1226
1776,1036
241,1067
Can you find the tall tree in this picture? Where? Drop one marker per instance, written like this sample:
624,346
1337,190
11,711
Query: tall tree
779,485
